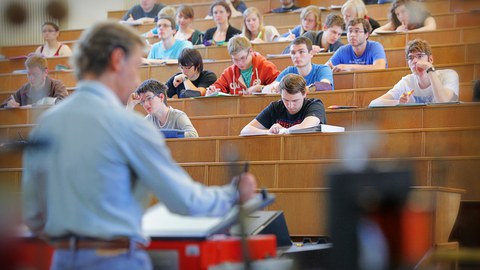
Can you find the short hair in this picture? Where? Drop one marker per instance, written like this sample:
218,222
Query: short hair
302,40
93,50
36,60
238,43
249,11
293,84
52,24
186,10
169,11
170,19
365,24
315,10
358,6
191,57
418,45
223,4
153,86
334,20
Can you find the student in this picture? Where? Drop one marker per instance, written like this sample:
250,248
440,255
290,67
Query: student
359,53
249,73
327,40
192,81
237,7
425,84
223,31
86,191
145,12
353,9
302,54
286,6
293,111
310,20
408,16
255,30
39,85
167,11
168,47
152,95
52,47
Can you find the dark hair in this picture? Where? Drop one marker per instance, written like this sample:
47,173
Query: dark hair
334,20
416,14
54,25
191,57
223,4
153,86
293,84
366,25
92,52
302,40
170,19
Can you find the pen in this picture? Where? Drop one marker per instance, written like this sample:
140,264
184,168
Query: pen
259,34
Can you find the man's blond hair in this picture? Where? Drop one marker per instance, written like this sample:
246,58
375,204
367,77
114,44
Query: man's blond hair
237,44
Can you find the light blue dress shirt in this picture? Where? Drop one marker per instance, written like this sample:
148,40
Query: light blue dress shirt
158,52
94,177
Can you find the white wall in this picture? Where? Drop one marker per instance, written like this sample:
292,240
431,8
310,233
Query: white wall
84,13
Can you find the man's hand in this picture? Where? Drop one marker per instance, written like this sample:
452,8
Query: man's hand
317,49
179,79
12,103
247,186
422,66
133,100
405,97
254,89
275,129
211,90
341,67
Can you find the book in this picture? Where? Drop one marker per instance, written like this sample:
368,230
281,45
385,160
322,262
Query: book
320,128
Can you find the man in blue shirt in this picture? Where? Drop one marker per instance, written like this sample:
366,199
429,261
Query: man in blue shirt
302,54
359,53
86,190
168,47
145,12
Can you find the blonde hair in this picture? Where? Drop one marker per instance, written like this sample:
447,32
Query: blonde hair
358,6
168,11
261,28
237,44
315,10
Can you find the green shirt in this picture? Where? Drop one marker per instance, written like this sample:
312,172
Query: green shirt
247,75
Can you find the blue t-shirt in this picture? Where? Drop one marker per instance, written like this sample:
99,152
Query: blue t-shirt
297,31
346,55
158,52
318,73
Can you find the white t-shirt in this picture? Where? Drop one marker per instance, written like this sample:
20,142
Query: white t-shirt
448,77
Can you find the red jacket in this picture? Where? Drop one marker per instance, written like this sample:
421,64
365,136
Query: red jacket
264,72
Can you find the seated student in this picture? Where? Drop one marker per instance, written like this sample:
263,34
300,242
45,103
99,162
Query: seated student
167,11
293,111
255,30
237,7
327,40
310,20
192,81
359,53
408,16
223,31
151,94
286,6
52,46
249,73
302,54
168,47
39,85
145,12
356,9
425,84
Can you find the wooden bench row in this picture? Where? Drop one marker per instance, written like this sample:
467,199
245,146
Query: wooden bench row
457,52
431,142
343,80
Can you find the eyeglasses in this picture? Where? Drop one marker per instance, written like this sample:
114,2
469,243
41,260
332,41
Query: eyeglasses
148,99
184,67
241,59
49,31
356,31
164,25
419,56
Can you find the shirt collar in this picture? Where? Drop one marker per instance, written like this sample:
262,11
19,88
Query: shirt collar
101,90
